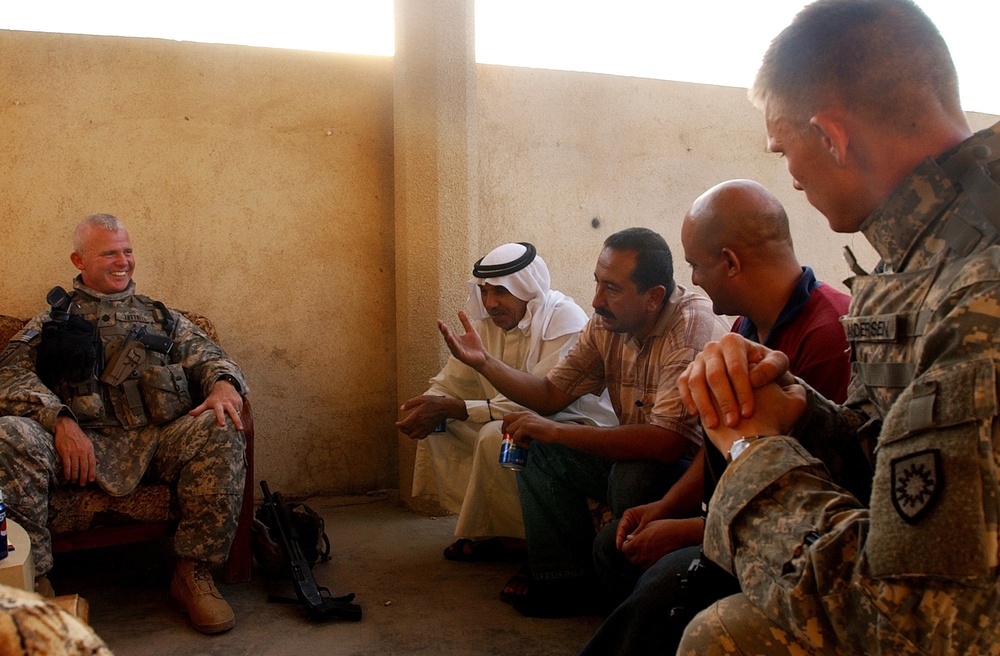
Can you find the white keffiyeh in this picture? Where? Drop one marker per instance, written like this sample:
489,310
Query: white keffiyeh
530,283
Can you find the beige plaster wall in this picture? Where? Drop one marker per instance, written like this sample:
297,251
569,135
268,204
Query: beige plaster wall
258,188
560,150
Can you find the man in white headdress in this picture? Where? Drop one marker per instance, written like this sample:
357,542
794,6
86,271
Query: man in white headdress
530,327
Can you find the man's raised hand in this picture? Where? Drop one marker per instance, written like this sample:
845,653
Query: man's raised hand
467,347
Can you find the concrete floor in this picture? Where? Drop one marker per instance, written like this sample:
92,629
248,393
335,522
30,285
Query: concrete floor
413,600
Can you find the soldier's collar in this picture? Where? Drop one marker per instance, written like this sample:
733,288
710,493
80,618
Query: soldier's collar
93,293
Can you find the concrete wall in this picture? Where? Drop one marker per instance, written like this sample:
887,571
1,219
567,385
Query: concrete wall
560,150
258,188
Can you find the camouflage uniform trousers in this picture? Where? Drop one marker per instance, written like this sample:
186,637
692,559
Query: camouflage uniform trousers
894,622
204,461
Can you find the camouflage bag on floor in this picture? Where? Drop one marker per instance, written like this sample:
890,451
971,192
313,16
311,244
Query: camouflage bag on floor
311,533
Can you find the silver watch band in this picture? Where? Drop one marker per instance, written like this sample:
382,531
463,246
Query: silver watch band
740,445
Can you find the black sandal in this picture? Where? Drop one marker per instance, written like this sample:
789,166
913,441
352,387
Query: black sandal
561,598
479,551
521,580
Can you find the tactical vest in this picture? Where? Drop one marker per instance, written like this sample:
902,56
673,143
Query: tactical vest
886,340
98,404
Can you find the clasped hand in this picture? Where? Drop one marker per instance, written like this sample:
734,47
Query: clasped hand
645,534
739,387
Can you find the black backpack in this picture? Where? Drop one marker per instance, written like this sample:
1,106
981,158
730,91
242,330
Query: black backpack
312,538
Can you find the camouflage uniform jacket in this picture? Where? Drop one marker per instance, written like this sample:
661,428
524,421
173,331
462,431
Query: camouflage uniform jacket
123,452
915,570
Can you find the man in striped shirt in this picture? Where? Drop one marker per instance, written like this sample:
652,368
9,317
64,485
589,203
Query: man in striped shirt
645,331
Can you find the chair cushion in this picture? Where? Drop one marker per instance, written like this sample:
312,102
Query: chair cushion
9,326
77,509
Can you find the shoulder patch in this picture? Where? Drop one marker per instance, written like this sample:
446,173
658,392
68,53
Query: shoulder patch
916,483
23,336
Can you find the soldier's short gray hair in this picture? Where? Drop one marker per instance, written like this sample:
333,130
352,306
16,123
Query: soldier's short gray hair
103,221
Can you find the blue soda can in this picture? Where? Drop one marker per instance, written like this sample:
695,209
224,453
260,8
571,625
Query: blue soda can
512,456
442,427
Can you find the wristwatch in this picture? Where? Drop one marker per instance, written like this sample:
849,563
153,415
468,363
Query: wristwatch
740,445
232,381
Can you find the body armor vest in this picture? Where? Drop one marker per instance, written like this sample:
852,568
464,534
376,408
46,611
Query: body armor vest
96,403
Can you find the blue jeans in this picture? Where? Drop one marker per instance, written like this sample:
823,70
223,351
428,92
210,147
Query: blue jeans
652,619
617,575
554,487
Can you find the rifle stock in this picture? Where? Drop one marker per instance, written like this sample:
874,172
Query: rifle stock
318,601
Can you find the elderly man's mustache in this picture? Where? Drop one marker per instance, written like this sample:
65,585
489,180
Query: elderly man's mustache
605,313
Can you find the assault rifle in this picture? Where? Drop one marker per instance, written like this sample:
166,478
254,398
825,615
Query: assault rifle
319,602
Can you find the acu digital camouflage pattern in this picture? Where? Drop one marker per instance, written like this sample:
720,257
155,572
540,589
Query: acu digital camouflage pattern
204,460
914,572
30,625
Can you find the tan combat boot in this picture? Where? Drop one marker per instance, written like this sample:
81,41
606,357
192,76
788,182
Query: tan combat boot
194,591
43,586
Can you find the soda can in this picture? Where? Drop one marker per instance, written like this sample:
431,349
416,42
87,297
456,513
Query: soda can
512,456
3,528
442,427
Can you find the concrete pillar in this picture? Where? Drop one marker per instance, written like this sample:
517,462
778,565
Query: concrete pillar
436,198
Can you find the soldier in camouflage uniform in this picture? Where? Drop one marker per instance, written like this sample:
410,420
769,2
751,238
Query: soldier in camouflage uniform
861,97
123,410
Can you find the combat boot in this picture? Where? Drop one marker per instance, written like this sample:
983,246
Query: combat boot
43,586
194,591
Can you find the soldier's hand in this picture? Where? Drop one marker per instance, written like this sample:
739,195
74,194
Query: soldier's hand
223,400
777,410
718,385
76,452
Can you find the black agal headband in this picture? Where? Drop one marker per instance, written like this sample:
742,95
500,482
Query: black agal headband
480,270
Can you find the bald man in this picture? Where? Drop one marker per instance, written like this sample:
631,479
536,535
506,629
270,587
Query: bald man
737,241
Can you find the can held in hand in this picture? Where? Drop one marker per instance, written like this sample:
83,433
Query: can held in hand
512,456
3,528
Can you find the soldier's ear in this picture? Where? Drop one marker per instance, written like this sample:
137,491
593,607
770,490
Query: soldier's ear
832,130
76,260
